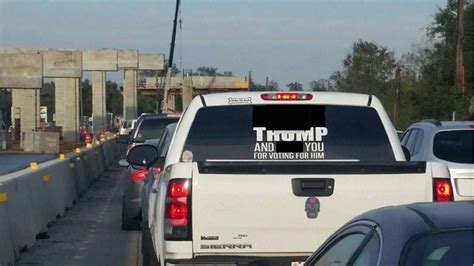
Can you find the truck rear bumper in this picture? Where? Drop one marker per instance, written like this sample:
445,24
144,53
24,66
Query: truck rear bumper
257,259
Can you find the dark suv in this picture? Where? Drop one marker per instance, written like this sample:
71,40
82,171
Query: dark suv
151,126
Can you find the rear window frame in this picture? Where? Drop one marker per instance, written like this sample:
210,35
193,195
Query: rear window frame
389,142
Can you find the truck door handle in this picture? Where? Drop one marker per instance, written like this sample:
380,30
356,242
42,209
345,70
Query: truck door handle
154,190
312,187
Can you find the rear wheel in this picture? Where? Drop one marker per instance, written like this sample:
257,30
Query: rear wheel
127,222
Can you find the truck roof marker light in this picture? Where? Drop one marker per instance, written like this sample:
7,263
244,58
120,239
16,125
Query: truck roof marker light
286,96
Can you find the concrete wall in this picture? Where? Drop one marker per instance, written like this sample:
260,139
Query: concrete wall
33,198
40,142
22,71
130,94
26,106
98,100
67,107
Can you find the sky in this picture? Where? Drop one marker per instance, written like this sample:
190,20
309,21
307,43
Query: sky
286,40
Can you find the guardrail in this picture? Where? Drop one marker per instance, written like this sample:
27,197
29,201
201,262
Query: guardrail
33,198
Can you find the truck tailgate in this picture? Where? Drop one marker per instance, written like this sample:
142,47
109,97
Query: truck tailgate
252,208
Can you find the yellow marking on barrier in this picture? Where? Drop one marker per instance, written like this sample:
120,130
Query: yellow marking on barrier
34,165
97,142
3,197
71,165
46,178
78,150
89,145
61,156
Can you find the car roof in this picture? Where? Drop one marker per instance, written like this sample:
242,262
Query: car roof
441,125
158,116
432,216
399,224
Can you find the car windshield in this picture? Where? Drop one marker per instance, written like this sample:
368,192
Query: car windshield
288,132
445,249
153,128
455,146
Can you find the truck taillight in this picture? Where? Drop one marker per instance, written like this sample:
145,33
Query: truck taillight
178,210
139,175
442,190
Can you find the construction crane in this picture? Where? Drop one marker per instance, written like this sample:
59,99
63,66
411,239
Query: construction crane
164,108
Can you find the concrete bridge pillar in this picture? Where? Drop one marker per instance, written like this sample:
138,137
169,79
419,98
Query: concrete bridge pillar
98,100
26,107
130,94
187,91
67,107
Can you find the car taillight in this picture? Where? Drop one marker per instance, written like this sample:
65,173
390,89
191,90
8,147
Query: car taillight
139,175
178,210
286,96
442,190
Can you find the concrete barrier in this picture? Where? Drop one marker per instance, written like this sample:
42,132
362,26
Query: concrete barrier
31,199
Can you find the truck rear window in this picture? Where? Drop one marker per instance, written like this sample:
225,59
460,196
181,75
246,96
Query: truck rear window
288,132
454,146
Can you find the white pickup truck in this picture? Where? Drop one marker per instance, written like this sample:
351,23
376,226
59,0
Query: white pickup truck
261,177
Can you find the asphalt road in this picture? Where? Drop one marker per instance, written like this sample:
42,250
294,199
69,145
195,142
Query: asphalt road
90,233
11,162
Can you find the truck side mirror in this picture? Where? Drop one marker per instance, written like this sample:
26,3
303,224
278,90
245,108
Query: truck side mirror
406,152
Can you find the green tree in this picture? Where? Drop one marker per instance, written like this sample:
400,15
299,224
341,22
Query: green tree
86,93
206,71
5,105
321,85
295,86
437,95
368,68
114,98
272,86
211,71
146,104
47,98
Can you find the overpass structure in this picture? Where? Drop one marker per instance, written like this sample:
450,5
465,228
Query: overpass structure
23,71
190,86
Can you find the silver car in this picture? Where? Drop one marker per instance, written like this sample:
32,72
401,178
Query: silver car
131,200
451,143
